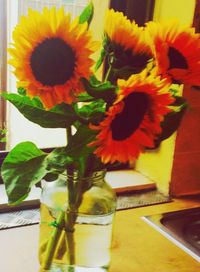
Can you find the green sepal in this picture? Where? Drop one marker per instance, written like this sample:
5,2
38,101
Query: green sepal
61,116
105,90
23,167
87,14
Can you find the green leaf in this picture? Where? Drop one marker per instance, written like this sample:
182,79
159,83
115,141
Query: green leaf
84,97
173,119
103,52
78,148
83,136
100,59
3,135
58,160
74,154
50,177
104,90
94,80
92,112
21,91
3,140
87,14
61,116
24,166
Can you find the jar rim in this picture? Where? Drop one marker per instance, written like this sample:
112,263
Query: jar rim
92,175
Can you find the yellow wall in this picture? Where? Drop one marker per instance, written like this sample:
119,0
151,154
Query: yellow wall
97,25
180,9
158,164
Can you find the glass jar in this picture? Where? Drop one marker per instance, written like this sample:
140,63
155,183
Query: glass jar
76,223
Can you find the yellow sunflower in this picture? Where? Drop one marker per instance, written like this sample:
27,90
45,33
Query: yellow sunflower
128,43
177,51
50,54
133,122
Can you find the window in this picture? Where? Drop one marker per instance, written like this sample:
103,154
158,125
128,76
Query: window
18,128
3,61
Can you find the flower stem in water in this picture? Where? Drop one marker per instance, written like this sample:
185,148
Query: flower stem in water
51,246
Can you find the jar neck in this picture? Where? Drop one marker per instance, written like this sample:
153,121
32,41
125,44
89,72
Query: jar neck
94,177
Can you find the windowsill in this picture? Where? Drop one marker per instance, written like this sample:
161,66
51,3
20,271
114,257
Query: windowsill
122,181
128,181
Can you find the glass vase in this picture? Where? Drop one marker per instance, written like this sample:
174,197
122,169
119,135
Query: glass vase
76,223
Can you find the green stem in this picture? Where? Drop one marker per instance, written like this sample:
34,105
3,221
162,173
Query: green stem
109,69
52,242
60,222
71,219
70,216
108,73
65,220
69,134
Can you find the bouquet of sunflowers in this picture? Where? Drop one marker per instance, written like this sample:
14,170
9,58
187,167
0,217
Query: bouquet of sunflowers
133,107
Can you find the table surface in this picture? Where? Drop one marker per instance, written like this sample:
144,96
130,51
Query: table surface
136,245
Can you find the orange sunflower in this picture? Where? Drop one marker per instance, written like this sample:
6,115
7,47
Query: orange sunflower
133,121
50,54
127,42
177,51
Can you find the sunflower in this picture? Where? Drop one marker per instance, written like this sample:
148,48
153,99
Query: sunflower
127,43
177,51
133,121
50,54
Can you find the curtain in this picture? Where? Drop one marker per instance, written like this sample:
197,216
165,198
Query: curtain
73,6
196,22
139,10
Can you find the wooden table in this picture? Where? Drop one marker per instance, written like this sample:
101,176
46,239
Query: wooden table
137,247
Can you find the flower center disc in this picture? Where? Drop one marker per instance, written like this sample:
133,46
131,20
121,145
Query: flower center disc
177,60
53,62
128,121
128,58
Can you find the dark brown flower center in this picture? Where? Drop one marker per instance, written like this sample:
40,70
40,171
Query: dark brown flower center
53,62
128,60
129,119
176,59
